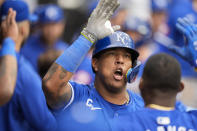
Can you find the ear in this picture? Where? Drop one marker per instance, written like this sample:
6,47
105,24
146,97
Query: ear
181,87
95,64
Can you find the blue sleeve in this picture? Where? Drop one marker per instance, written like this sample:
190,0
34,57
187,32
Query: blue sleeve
33,103
78,92
138,100
193,114
72,57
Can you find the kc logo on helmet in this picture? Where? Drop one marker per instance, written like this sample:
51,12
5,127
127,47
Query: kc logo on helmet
123,38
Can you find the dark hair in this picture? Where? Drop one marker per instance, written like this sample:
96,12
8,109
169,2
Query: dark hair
162,72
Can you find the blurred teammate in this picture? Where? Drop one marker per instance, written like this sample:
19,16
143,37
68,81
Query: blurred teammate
138,29
52,22
27,109
8,62
159,90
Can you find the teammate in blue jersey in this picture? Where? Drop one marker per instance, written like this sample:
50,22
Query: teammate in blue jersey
159,85
8,62
27,109
51,24
159,89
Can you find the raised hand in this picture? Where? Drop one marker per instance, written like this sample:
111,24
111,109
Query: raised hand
9,26
98,25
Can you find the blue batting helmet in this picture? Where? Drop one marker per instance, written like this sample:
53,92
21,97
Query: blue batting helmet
117,39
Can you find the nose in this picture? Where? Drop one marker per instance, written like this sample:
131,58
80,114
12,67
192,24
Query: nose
119,59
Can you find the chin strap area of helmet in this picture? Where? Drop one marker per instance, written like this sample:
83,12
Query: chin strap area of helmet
132,72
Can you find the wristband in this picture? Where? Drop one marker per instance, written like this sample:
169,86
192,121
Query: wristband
8,47
91,37
74,55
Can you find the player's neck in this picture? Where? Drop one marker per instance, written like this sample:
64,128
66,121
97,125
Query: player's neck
160,101
119,98
18,44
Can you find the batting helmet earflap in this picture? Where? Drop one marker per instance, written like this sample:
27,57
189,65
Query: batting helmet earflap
117,39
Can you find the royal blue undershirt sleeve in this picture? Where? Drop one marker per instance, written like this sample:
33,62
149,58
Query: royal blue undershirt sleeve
33,102
74,55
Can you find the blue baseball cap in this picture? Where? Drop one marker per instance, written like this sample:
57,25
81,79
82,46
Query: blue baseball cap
21,8
159,5
51,13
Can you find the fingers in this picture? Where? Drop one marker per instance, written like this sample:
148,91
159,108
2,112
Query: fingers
115,7
111,9
183,26
107,9
13,17
9,16
187,27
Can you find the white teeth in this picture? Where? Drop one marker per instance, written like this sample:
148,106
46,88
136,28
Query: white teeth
119,71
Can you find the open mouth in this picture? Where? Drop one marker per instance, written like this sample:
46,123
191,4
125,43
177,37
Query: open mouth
118,74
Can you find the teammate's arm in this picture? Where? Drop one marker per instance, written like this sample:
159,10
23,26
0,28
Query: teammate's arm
55,83
8,61
189,51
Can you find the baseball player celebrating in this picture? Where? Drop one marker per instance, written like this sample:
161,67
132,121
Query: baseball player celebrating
98,106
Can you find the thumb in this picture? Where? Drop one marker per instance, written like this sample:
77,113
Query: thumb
116,28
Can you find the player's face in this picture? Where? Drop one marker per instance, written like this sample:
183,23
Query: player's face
111,68
52,31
